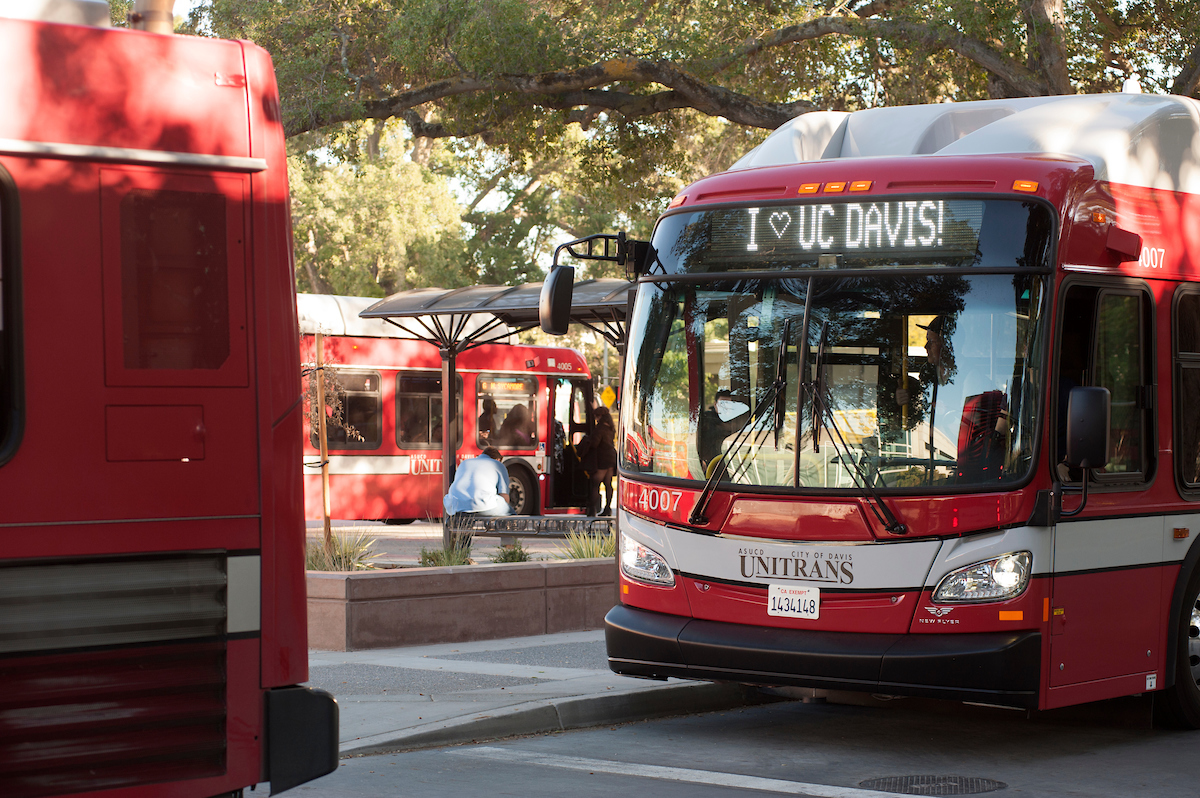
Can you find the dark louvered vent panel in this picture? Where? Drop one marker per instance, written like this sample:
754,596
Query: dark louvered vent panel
57,605
99,720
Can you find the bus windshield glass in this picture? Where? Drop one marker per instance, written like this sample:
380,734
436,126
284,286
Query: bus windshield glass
901,380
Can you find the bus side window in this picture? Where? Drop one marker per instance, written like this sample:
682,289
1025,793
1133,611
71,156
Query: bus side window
419,411
1103,341
1187,389
580,421
516,407
1120,367
361,409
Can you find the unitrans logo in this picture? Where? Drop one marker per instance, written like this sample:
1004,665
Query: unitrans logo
837,569
938,612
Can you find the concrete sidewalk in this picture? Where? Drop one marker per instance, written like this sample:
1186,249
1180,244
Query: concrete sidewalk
416,697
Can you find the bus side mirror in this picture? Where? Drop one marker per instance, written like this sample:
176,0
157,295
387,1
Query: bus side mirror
1088,411
554,304
1088,423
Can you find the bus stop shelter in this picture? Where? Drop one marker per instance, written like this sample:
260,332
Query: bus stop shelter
459,319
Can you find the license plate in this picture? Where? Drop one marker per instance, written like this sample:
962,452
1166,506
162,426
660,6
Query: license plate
789,601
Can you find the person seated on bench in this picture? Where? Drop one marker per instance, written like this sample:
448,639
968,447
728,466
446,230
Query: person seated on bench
480,487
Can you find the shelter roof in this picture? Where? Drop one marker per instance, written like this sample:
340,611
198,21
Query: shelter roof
446,315
338,315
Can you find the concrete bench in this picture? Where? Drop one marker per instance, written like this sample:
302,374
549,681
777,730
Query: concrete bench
511,527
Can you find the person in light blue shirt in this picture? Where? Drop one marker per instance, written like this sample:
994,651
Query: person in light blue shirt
480,486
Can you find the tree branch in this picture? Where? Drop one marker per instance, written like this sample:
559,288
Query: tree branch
1015,74
1046,24
585,86
1187,82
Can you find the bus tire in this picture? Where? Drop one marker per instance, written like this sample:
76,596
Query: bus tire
1178,706
397,521
522,491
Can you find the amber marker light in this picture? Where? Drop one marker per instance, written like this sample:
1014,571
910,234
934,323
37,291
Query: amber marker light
809,188
1098,217
1012,615
1025,185
835,188
862,185
679,200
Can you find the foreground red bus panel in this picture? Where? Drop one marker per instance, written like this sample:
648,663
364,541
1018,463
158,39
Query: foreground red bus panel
152,602
534,403
871,368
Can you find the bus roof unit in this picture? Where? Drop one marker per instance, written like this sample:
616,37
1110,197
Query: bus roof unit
1135,139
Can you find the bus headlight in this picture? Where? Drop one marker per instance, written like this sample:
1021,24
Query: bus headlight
643,564
991,580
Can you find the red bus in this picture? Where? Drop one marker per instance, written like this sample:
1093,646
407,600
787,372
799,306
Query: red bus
534,403
909,408
152,601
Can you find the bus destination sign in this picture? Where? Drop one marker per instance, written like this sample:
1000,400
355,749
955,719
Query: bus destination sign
899,227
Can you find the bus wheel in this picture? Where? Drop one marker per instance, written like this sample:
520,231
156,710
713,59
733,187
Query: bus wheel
397,521
1179,704
522,494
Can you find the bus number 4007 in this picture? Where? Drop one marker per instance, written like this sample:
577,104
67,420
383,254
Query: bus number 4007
664,500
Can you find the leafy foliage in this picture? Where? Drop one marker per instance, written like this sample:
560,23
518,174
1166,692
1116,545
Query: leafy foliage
523,71
548,119
372,222
349,551
513,552
457,553
583,546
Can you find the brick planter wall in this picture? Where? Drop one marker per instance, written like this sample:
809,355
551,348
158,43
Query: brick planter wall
417,606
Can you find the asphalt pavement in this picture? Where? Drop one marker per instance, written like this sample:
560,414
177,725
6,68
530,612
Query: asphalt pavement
398,699
412,697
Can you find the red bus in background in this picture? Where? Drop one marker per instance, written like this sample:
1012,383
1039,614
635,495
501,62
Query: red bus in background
533,403
910,408
152,602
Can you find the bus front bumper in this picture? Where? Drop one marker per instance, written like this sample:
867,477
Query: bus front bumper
992,668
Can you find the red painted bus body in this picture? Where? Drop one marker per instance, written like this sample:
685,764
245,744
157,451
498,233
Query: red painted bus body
152,599
392,395
897,338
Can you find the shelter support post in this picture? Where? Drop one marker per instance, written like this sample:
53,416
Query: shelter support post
449,426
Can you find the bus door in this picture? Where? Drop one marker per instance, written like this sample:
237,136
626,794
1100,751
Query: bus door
572,402
1106,607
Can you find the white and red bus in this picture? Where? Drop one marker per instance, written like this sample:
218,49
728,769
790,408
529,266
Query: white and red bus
872,369
152,601
534,403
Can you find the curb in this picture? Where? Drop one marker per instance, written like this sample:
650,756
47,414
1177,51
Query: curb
541,717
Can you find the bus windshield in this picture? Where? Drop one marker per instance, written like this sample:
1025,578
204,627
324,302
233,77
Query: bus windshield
899,380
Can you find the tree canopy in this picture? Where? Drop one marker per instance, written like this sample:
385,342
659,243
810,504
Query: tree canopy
518,72
455,141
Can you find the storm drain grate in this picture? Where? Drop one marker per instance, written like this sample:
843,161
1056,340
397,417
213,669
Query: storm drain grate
933,785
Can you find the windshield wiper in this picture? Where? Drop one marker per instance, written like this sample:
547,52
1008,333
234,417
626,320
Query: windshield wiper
823,417
781,374
697,517
819,383
878,506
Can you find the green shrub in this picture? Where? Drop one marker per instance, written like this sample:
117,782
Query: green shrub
458,553
582,546
513,552
351,551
